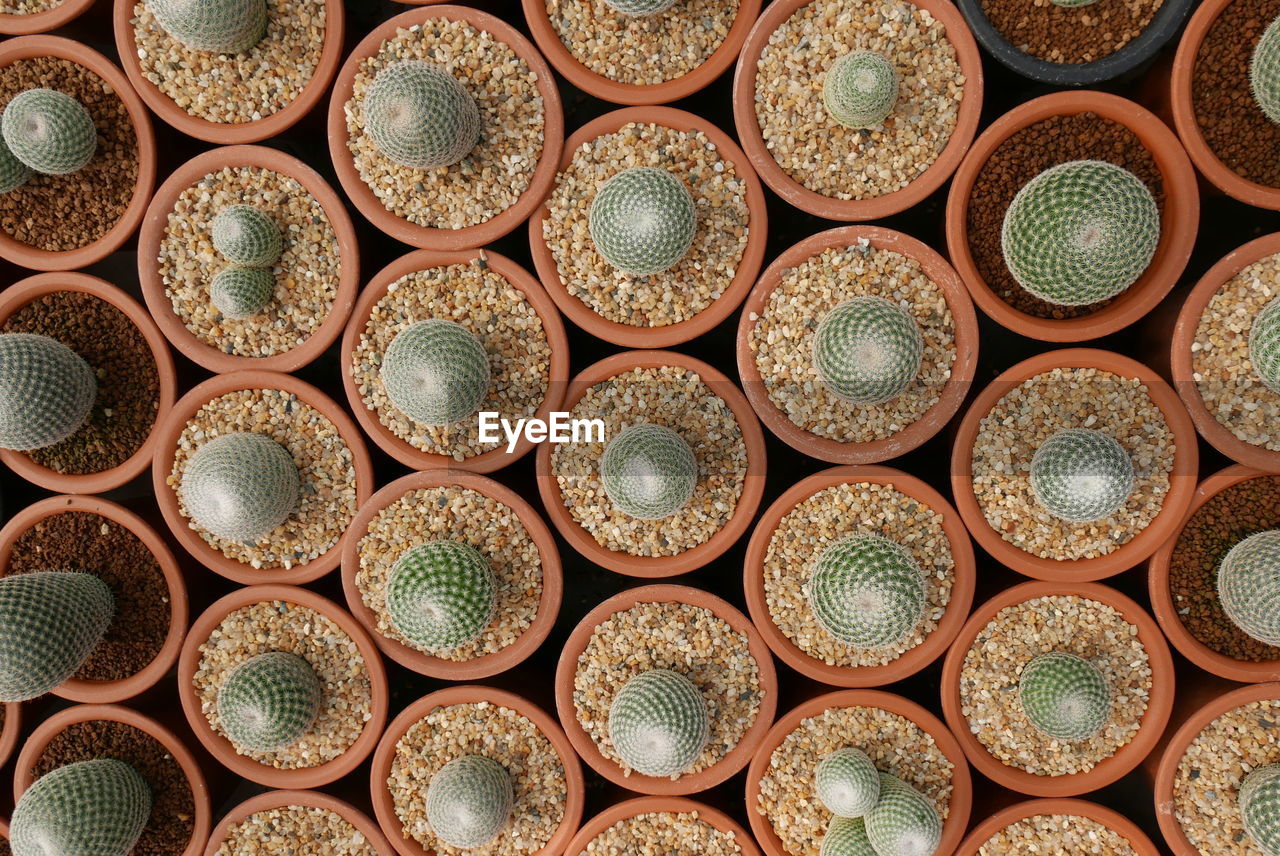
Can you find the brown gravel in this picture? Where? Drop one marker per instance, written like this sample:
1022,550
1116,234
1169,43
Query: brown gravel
295,829
1070,36
1057,835
662,832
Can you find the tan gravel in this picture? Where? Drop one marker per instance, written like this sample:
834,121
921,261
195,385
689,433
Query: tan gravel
1057,835
295,829
662,833
28,7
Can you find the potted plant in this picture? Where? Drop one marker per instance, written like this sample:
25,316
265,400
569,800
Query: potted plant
646,282
1058,826
303,819
639,822
41,16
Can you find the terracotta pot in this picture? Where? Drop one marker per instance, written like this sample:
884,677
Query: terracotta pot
50,728
43,22
627,335
1182,479
961,783
167,495
1105,772
935,267
1113,820
658,566
910,662
384,807
436,667
10,733
222,749
645,805
221,133
558,370
311,799
19,295
157,220
371,207
812,202
1180,219
102,692
34,47
687,783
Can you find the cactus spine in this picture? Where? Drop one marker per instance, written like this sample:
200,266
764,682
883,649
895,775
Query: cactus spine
240,486
469,801
88,808
46,391
847,836
436,372
49,131
860,89
13,172
642,220
420,116
247,236
50,622
1066,697
867,351
241,292
867,591
1081,475
848,783
269,701
441,595
648,471
1073,4
1264,345
1249,585
904,821
221,26
640,8
1264,72
1259,804
658,723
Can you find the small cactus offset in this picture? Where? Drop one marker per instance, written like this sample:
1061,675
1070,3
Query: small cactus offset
847,782
1081,475
13,172
421,116
1066,697
469,801
246,236
1264,72
1264,345
221,26
847,836
1073,4
50,622
1259,804
49,131
441,595
269,701
640,8
642,220
1249,585
867,351
904,822
648,472
241,292
240,486
658,723
88,808
867,591
860,89
436,372
1080,232
46,391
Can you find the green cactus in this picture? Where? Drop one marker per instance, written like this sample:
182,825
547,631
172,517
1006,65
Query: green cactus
46,391
904,821
269,701
847,836
241,292
867,351
50,622
1066,697
1264,345
13,172
640,8
1264,72
847,782
441,595
867,591
860,89
1081,475
221,26
469,801
642,220
88,808
436,372
421,116
658,723
247,236
1249,585
1259,804
1080,232
1073,4
648,471
240,486
49,131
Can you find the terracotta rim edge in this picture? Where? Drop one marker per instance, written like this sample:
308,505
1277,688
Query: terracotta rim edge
42,22
1113,820
312,799
642,805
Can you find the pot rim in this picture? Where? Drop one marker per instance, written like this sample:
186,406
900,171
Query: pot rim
312,799
41,22
10,733
1115,821
645,804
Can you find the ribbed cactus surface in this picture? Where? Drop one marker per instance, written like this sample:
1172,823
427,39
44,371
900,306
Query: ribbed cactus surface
846,836
1264,72
441,594
469,801
867,350
420,116
50,621
642,220
246,236
13,172
49,131
1081,475
847,782
436,372
1264,345
1259,804
241,292
222,26
1080,232
88,808
648,471
904,821
269,701
1065,696
240,486
658,723
640,8
867,591
860,89
1249,585
46,391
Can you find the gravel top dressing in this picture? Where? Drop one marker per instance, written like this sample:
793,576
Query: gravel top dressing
1057,835
295,829
1069,35
662,833
27,7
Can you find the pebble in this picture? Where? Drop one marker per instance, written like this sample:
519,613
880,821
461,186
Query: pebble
28,7
1057,835
295,830
662,833
1060,34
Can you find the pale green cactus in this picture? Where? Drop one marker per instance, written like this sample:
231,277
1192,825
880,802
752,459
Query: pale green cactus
640,8
846,836
240,486
420,116
247,236
469,801
49,131
221,26
847,782
1249,585
1259,804
1264,345
46,391
648,472
88,808
860,89
241,292
1080,232
269,701
436,372
441,595
658,723
1065,696
867,351
1264,72
867,591
1081,475
642,220
50,622
904,822
13,172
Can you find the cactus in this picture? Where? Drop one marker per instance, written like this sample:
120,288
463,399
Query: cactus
1066,697
46,391
1249,585
1259,804
1081,475
867,351
420,116
49,131
642,220
88,808
648,471
658,723
269,701
1264,72
640,8
904,821
1264,345
13,172
246,236
1073,4
222,26
240,486
847,836
860,89
50,622
436,372
1080,232
867,591
847,782
441,594
241,292
469,801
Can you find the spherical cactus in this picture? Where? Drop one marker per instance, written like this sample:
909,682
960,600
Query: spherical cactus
860,89
13,172
46,391
49,131
847,836
441,594
241,292
867,591
642,220
240,486
222,26
88,808
658,723
269,701
1249,585
469,801
847,782
648,472
1259,804
420,116
1264,345
640,8
50,622
867,350
1081,475
1264,72
1080,232
247,236
904,821
436,372
1066,697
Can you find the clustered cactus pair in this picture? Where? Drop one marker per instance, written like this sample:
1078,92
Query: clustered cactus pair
44,131
873,813
97,807
250,239
219,26
240,486
46,391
